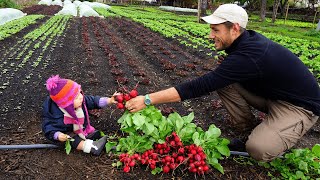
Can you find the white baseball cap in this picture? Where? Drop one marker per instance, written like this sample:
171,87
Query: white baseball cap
228,12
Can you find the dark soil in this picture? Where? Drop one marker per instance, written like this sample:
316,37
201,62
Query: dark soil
42,9
87,52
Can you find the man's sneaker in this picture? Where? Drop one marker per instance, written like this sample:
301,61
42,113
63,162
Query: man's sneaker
237,145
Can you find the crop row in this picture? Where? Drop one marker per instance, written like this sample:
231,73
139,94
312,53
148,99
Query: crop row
190,33
171,57
31,50
122,64
17,25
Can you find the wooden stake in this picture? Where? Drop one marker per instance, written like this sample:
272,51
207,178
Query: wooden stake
199,9
286,13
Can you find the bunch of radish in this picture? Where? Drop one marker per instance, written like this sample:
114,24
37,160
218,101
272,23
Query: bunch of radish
129,161
122,98
168,156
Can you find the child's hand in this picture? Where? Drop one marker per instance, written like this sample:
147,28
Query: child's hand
63,137
112,99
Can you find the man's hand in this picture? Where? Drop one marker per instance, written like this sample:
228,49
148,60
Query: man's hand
135,104
220,59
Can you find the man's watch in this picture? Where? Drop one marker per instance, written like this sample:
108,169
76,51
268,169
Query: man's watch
147,100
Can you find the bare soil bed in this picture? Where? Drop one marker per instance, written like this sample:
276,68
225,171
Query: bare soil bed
100,54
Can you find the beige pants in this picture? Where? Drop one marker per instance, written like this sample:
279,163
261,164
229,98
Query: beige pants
284,125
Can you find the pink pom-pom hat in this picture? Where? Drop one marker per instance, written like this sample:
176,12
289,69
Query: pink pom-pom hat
63,92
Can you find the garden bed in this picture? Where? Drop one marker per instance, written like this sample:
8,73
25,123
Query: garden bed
101,54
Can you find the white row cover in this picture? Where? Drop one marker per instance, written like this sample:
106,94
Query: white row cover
76,2
85,8
68,9
9,14
171,8
67,2
45,2
96,5
57,2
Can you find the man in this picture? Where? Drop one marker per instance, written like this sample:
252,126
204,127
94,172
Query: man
256,72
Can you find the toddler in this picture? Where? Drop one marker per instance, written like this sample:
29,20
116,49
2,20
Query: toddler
65,115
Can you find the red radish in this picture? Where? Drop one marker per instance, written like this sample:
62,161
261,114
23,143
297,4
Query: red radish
166,169
126,97
174,134
197,157
172,143
154,156
126,169
153,162
143,161
174,155
159,146
197,163
120,106
172,166
132,163
181,151
168,158
193,170
194,152
176,139
180,159
152,166
205,168
127,160
119,98
191,165
133,93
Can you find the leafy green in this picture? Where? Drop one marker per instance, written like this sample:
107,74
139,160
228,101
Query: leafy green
299,164
149,126
68,146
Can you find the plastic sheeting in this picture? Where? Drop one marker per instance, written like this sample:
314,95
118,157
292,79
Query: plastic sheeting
67,2
68,9
9,14
171,8
97,5
57,2
86,11
45,2
77,3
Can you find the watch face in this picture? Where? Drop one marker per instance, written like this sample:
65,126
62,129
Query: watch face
147,101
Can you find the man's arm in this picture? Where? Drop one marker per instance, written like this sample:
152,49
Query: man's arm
164,96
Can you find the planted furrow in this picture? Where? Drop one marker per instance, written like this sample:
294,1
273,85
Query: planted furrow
173,60
35,45
131,60
116,58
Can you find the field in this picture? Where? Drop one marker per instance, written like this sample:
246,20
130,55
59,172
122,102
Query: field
103,55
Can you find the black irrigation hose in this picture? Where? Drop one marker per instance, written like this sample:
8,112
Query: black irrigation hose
238,153
28,146
49,146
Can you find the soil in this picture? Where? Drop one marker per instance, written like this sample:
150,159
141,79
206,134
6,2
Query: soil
89,52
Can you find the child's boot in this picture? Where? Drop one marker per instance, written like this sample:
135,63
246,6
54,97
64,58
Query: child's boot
94,147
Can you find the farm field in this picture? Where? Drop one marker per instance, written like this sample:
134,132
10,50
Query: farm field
103,55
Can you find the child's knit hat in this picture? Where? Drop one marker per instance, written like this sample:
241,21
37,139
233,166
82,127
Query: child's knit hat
63,92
